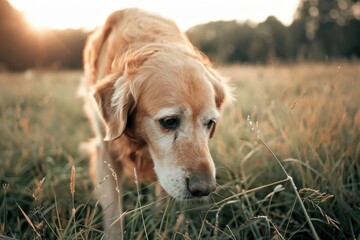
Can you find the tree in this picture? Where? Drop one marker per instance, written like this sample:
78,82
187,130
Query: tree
18,45
325,24
274,34
21,47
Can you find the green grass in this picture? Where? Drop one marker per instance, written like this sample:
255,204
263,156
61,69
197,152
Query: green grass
308,115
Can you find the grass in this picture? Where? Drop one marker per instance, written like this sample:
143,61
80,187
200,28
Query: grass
305,115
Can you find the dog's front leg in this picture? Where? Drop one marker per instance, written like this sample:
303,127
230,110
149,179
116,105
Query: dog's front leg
108,191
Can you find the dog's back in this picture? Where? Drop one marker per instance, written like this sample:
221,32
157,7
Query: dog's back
123,32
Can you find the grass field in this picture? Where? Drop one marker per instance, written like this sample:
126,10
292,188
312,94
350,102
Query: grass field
308,115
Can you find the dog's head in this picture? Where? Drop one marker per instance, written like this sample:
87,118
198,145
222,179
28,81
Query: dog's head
169,99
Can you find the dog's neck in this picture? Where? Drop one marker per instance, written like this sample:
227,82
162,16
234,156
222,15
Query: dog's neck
129,152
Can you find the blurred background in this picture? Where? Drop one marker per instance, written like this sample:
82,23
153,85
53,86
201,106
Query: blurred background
51,34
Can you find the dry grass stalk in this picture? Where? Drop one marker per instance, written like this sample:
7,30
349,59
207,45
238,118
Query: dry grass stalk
38,189
72,188
178,223
288,177
72,181
139,201
113,173
28,220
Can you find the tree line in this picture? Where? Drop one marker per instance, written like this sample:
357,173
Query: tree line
22,47
321,30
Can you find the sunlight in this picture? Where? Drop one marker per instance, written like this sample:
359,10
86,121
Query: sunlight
61,14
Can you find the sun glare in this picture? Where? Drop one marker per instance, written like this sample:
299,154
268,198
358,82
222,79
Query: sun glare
42,20
87,14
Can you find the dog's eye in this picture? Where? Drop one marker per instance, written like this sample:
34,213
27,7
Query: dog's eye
210,124
170,123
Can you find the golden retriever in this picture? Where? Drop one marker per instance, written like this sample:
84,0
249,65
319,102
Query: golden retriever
153,101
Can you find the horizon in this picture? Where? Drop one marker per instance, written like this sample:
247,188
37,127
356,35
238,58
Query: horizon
42,14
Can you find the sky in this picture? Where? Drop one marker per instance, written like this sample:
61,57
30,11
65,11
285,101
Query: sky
88,14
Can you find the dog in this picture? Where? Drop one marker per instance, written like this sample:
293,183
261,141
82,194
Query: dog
153,101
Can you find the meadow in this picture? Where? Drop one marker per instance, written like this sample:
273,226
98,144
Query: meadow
287,153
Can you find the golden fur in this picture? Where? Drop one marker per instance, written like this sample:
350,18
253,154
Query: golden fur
153,100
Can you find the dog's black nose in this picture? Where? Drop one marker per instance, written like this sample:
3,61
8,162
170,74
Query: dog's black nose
200,187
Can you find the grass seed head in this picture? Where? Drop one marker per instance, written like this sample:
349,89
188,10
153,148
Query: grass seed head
72,181
38,189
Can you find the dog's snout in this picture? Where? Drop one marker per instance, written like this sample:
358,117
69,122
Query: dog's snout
200,187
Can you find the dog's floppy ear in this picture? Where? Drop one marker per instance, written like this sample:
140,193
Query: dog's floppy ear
223,93
222,90
115,95
115,103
